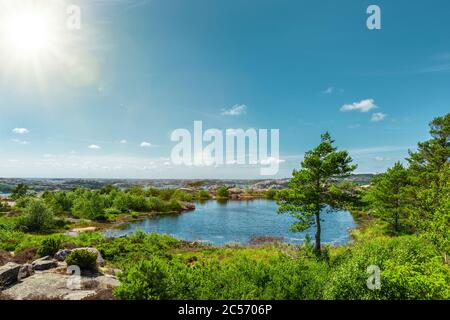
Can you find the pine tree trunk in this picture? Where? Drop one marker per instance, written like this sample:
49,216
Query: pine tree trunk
318,231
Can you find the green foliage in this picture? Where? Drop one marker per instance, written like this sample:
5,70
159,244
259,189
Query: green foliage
90,205
388,196
418,197
23,202
223,193
410,269
432,155
49,247
38,217
156,204
112,211
203,195
314,188
271,194
59,201
20,191
136,247
238,278
4,207
182,196
84,259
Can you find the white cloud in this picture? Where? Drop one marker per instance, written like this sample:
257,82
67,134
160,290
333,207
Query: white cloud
329,90
146,144
123,141
19,141
377,117
20,130
236,110
362,106
94,147
381,149
378,158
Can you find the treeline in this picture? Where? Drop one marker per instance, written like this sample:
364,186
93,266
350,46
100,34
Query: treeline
415,199
40,212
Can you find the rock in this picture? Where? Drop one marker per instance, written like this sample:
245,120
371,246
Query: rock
188,190
187,206
100,260
48,285
107,282
235,191
9,274
42,259
62,254
81,230
25,271
40,265
79,295
76,232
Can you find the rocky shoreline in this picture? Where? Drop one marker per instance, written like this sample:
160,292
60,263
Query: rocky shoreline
49,278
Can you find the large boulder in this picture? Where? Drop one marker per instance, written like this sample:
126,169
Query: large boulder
187,206
25,271
9,274
44,264
237,191
49,285
62,254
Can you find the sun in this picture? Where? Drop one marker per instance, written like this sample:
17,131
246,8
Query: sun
28,33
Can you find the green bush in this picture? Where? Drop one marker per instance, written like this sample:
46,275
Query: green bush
139,246
59,201
223,193
112,211
271,194
173,206
156,204
84,259
182,196
410,269
49,247
203,195
4,207
90,205
38,217
238,278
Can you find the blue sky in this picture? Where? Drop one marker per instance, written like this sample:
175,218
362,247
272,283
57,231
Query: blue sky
137,70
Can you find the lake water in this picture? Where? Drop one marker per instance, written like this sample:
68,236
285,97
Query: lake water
237,221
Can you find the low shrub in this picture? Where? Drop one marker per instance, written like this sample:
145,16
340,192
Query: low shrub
223,193
410,269
84,259
49,247
203,195
38,217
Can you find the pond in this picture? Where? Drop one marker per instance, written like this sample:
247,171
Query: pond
239,221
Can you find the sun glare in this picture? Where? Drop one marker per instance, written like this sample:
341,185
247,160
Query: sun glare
28,33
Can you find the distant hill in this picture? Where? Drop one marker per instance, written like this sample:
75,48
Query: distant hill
42,184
